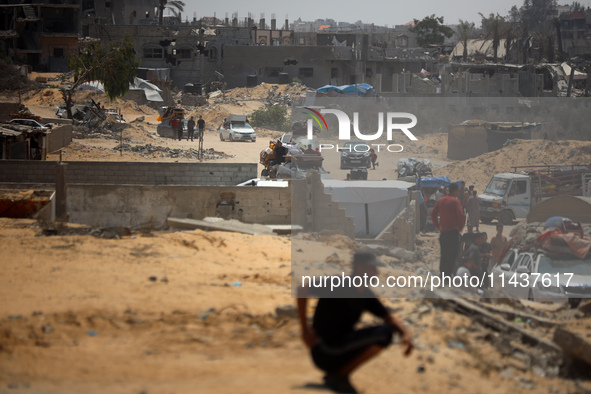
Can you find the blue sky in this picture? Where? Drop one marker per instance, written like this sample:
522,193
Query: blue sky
379,12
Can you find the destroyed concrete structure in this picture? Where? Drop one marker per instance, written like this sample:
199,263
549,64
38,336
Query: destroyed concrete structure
28,143
41,34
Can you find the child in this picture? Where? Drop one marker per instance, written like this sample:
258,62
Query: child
373,157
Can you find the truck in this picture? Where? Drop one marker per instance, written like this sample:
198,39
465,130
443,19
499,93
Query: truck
511,196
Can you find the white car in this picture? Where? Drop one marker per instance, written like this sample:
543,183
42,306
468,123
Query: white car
30,123
539,277
236,128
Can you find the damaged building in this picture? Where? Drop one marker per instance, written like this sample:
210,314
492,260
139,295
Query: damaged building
41,34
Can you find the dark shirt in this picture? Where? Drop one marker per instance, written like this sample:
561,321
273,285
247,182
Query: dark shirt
281,151
468,240
201,124
336,317
191,125
485,248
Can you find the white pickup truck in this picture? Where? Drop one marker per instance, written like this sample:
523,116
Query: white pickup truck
511,196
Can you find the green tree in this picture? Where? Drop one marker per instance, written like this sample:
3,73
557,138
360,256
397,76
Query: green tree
431,30
494,26
115,66
274,117
464,31
175,6
539,14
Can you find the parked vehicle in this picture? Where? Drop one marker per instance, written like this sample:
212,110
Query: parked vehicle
30,123
285,139
539,277
164,129
355,154
511,196
237,128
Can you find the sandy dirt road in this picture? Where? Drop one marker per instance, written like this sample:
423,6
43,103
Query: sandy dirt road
194,312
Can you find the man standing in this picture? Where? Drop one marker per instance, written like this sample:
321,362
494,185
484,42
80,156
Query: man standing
473,207
190,128
201,126
180,128
447,216
336,347
497,243
174,125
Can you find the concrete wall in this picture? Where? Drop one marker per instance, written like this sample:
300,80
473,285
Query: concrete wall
402,231
130,173
149,206
466,141
314,210
60,136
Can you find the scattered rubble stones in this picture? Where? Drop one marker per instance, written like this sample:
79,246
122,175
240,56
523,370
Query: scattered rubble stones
149,149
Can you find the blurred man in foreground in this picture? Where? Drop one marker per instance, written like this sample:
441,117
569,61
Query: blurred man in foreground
336,346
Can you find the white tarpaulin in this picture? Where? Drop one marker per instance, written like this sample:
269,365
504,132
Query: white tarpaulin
151,91
577,75
371,204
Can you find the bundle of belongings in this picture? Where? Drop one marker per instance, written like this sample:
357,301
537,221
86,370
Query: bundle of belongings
414,167
561,236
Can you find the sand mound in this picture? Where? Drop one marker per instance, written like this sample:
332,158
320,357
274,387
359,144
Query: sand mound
263,91
428,144
479,170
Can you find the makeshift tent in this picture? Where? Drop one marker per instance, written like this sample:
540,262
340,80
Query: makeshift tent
575,208
360,89
371,204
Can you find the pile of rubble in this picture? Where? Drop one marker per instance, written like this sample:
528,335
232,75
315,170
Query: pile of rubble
149,149
269,93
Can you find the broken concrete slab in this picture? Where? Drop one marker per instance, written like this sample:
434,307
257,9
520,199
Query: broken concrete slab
573,345
539,351
513,314
234,226
283,229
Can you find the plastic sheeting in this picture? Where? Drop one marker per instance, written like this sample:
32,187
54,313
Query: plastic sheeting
151,91
371,204
436,181
360,88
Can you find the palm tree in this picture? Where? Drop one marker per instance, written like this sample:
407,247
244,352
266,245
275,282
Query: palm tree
464,32
175,6
556,23
494,27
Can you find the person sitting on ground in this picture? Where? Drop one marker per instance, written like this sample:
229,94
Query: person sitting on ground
336,347
348,178
472,259
467,240
309,150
